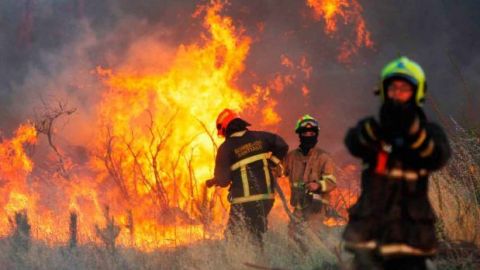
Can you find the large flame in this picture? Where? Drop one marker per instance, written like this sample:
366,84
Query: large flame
158,142
154,146
16,166
153,150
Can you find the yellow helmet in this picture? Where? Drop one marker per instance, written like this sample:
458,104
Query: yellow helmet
408,70
306,121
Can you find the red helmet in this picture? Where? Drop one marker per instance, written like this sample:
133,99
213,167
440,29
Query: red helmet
223,119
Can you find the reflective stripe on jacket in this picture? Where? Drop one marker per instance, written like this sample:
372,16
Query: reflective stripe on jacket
245,161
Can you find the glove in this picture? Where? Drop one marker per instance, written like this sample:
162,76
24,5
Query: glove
313,186
210,182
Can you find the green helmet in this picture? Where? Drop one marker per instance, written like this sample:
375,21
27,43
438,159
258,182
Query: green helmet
306,122
408,70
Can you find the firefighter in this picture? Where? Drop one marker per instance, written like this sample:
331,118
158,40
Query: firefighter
392,224
245,161
310,171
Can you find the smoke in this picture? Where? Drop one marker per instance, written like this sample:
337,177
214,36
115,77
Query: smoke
440,35
49,51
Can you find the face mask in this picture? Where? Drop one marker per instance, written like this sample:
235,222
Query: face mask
396,118
307,143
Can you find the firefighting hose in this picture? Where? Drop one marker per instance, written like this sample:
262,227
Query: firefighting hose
282,197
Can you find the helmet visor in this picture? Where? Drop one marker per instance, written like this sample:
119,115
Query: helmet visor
308,124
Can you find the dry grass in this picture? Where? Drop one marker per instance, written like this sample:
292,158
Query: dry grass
279,253
454,193
455,196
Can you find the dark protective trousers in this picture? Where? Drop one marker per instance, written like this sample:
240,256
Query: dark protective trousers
250,218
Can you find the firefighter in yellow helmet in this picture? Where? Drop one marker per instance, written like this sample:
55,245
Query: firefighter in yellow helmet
244,162
392,224
310,171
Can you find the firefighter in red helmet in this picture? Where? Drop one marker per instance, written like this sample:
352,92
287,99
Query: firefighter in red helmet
245,161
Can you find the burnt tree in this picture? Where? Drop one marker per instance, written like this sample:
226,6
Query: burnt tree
46,117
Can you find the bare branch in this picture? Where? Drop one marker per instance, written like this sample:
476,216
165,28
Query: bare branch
210,135
44,124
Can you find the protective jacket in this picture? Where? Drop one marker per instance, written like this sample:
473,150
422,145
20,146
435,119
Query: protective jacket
316,166
245,161
393,215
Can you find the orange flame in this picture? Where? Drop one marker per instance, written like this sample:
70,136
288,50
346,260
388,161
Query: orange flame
158,144
13,178
154,145
13,153
350,11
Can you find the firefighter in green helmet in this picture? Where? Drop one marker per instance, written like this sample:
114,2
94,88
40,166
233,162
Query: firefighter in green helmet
392,224
310,171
